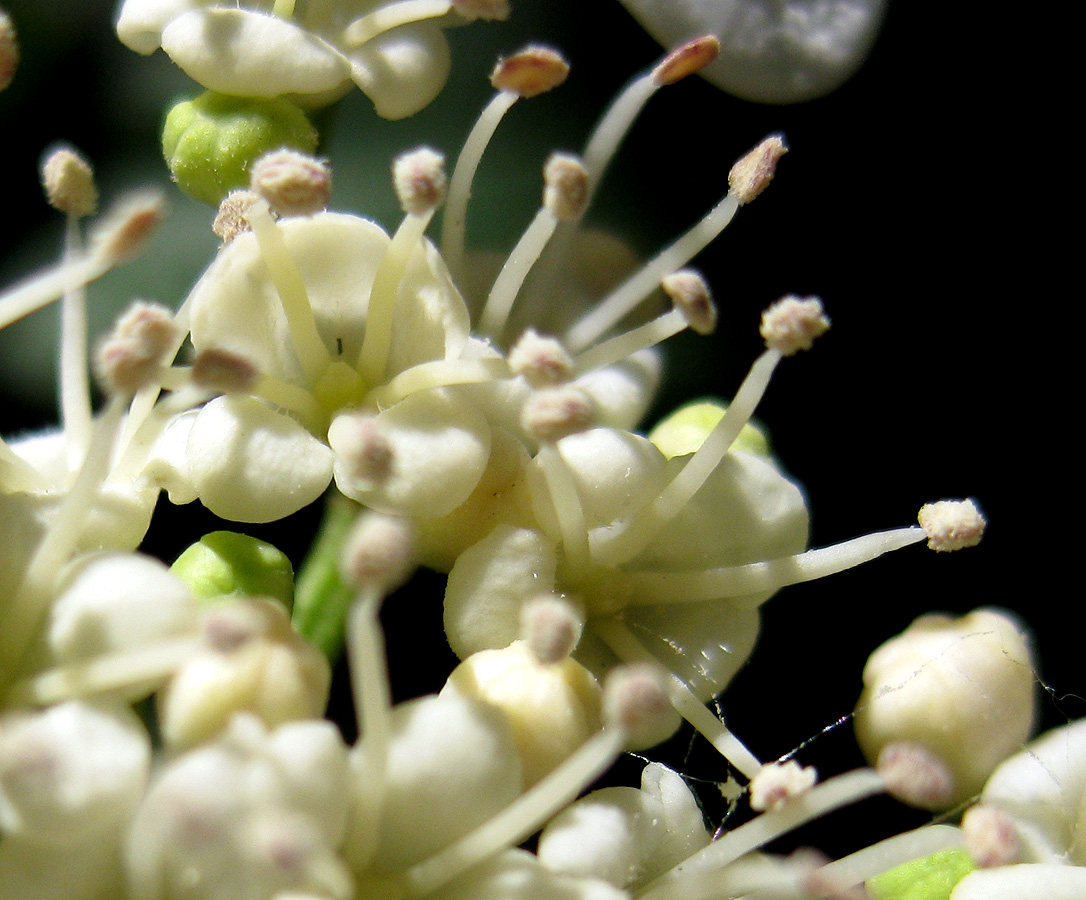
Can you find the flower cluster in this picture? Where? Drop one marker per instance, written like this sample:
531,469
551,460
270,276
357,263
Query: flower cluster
161,727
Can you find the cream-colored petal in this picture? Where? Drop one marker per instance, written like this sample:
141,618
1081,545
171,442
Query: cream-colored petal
251,54
403,70
250,463
140,23
490,582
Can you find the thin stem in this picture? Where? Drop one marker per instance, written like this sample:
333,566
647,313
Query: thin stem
75,398
438,373
49,286
566,501
626,344
503,294
858,867
385,18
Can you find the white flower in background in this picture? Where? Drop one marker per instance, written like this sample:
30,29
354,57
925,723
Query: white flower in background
395,53
771,52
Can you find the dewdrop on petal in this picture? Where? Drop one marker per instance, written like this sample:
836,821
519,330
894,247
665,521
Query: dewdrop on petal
792,324
134,352
752,173
552,708
69,183
963,689
293,183
952,524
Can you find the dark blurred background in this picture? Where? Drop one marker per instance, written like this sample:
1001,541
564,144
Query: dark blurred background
907,204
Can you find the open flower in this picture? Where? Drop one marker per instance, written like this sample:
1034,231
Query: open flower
395,52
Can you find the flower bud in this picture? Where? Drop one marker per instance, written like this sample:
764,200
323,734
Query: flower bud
225,562
686,429
552,709
210,142
962,689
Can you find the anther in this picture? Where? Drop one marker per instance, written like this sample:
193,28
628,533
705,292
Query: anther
542,360
551,414
690,58
990,837
532,71
777,783
551,626
363,451
132,355
126,230
232,218
378,553
223,372
636,699
419,179
565,192
691,296
915,776
490,10
69,183
293,183
792,324
952,524
751,174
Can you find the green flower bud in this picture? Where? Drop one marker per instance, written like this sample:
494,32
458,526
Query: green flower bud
928,878
225,563
210,142
686,429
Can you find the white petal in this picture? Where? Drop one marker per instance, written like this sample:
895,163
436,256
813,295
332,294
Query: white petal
771,52
440,446
489,583
168,465
623,392
517,875
402,70
251,54
1023,882
140,23
250,463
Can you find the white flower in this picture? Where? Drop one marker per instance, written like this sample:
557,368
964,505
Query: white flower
399,61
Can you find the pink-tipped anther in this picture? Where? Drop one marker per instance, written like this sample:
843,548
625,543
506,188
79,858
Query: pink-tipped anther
532,71
690,58
952,524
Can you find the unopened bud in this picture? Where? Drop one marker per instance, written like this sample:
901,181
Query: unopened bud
963,688
990,837
916,776
691,296
223,372
69,183
9,51
379,552
565,192
551,414
128,226
490,10
551,627
691,57
532,71
132,355
792,324
232,218
636,699
952,524
222,563
293,183
775,784
543,361
751,174
419,179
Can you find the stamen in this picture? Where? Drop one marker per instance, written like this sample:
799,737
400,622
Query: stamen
792,324
528,73
778,783
691,295
990,837
293,297
367,456
751,174
565,195
916,776
858,867
69,183
627,647
293,183
133,354
223,372
438,373
232,218
636,699
690,58
392,15
952,524
127,228
551,414
542,361
736,582
699,872
551,626
419,178
567,507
